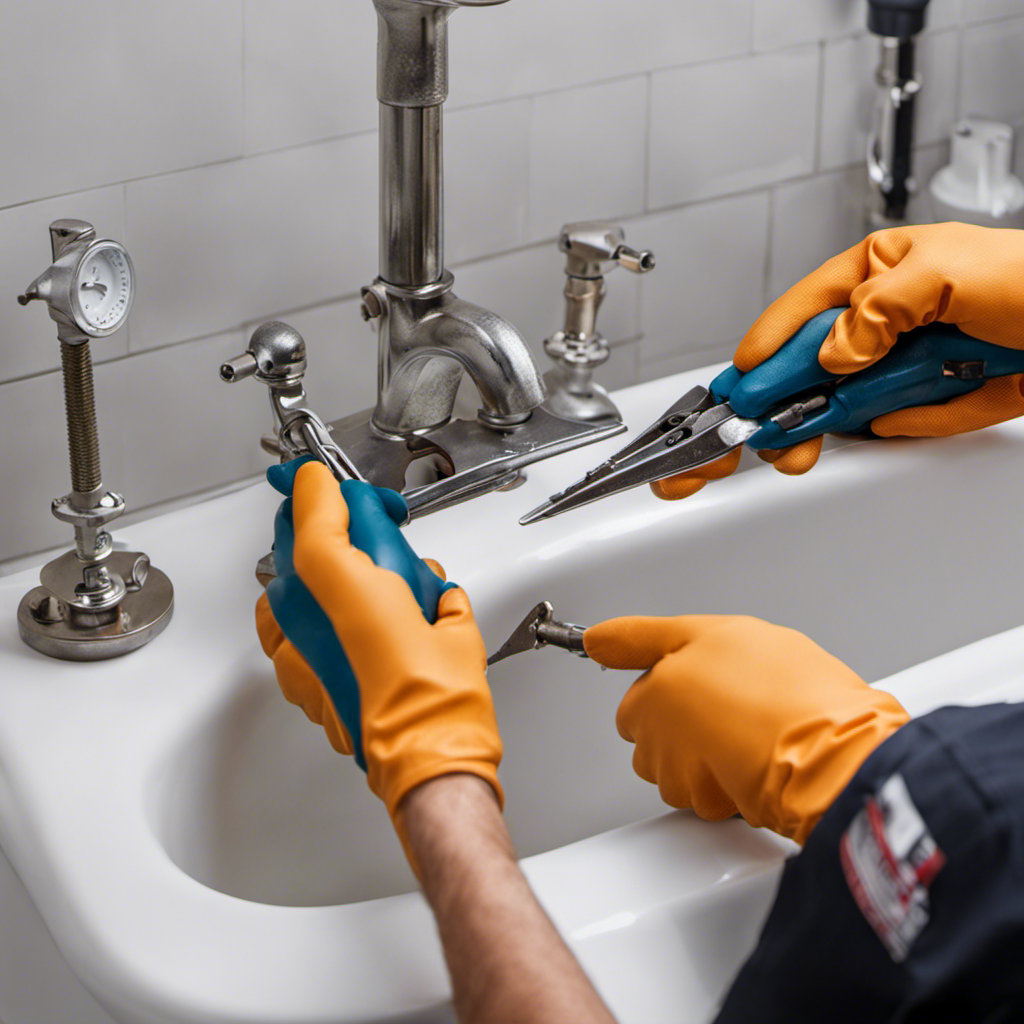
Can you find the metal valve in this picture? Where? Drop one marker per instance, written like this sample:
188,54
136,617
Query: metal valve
276,356
592,244
593,249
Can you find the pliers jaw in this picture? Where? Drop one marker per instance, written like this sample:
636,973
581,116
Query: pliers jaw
691,433
539,629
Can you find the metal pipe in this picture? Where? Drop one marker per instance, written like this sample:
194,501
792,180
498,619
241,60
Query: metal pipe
411,195
412,85
891,143
896,125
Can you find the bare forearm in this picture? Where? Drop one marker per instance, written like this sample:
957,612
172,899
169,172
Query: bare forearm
507,962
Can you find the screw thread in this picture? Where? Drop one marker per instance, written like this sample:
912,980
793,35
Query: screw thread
80,406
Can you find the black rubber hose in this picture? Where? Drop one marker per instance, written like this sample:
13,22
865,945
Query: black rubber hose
903,143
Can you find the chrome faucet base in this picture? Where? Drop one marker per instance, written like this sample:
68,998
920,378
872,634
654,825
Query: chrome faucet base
573,394
473,458
128,603
427,338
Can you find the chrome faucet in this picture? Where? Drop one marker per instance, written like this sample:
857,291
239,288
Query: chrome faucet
428,336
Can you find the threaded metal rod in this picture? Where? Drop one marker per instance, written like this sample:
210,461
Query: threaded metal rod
80,406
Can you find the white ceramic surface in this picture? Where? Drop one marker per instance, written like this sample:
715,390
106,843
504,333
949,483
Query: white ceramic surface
200,855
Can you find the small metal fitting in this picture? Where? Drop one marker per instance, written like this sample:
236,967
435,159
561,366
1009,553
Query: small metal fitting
278,353
276,356
375,302
593,249
109,507
590,245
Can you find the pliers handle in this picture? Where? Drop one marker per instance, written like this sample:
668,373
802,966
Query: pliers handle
927,366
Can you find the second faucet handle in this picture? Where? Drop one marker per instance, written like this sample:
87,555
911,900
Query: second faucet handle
591,245
593,249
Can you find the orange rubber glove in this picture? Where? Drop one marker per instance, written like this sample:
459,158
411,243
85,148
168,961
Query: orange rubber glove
737,715
425,708
893,281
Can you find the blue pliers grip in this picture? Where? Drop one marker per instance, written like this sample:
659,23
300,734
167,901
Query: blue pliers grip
374,515
928,366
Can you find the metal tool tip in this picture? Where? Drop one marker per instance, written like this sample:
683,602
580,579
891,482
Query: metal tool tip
537,514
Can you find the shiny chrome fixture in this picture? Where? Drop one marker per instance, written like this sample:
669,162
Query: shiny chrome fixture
93,602
593,249
428,336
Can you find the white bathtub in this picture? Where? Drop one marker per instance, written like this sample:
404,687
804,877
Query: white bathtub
199,854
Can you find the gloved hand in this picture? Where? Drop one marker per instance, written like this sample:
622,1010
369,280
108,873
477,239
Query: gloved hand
893,281
353,648
736,715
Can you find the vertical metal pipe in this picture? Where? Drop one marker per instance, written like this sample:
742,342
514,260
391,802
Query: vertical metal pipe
903,136
411,195
412,85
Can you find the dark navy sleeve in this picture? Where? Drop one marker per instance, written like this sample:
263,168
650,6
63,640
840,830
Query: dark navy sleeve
907,901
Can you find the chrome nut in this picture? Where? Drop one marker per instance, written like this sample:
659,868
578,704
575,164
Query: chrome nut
110,506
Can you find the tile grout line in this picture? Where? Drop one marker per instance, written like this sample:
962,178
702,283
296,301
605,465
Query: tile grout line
819,117
769,254
648,129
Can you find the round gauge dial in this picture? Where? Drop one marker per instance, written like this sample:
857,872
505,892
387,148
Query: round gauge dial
103,288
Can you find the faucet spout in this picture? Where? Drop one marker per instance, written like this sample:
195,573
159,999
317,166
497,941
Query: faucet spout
425,345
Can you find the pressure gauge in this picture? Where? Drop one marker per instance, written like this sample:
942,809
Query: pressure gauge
90,285
102,288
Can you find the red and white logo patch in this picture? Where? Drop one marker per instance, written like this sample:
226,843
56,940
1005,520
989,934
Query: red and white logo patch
890,858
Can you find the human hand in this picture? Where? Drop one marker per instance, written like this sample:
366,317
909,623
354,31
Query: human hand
894,281
734,714
352,646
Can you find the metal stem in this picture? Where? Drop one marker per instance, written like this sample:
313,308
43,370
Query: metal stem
411,195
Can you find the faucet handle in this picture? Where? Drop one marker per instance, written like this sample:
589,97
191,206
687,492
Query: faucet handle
589,245
276,356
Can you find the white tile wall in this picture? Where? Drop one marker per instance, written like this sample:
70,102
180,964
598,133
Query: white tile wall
165,91
732,125
709,281
239,160
817,217
531,46
802,21
487,179
993,72
309,73
983,10
576,171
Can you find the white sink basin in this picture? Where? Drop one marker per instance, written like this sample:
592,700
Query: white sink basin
199,854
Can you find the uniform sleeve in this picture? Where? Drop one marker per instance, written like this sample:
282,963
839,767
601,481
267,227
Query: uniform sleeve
907,901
